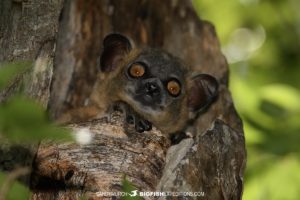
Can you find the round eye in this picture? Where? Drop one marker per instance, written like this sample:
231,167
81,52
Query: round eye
173,88
136,70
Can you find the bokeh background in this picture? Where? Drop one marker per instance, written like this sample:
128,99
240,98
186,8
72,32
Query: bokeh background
261,40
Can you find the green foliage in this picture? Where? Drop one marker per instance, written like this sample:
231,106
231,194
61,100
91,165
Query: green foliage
8,71
17,191
22,119
83,198
128,187
261,40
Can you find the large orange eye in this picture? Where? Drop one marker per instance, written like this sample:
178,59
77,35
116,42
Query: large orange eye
173,88
136,70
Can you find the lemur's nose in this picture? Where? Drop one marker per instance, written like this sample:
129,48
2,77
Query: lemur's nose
152,88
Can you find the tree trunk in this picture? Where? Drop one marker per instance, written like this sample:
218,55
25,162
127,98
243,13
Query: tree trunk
211,164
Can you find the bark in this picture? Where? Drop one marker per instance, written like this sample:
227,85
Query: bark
213,162
76,169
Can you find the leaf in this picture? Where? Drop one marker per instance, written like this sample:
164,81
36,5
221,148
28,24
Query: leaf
17,191
83,198
279,181
130,189
22,119
8,71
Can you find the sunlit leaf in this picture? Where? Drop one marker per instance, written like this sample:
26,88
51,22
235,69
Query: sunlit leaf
283,95
281,181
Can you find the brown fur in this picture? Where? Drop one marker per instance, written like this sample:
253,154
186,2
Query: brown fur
108,90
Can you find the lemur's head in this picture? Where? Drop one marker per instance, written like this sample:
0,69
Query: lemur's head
156,84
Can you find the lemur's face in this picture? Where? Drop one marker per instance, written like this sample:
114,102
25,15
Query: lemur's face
155,84
155,80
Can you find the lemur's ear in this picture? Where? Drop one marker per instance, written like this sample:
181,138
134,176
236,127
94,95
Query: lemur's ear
202,92
115,47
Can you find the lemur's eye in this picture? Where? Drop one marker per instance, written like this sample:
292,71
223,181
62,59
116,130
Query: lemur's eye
174,88
136,70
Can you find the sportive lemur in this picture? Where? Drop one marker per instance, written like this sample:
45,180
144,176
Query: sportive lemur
151,85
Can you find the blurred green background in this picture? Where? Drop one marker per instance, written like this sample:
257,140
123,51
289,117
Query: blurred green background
261,40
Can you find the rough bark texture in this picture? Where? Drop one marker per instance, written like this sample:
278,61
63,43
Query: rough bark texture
100,166
213,162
